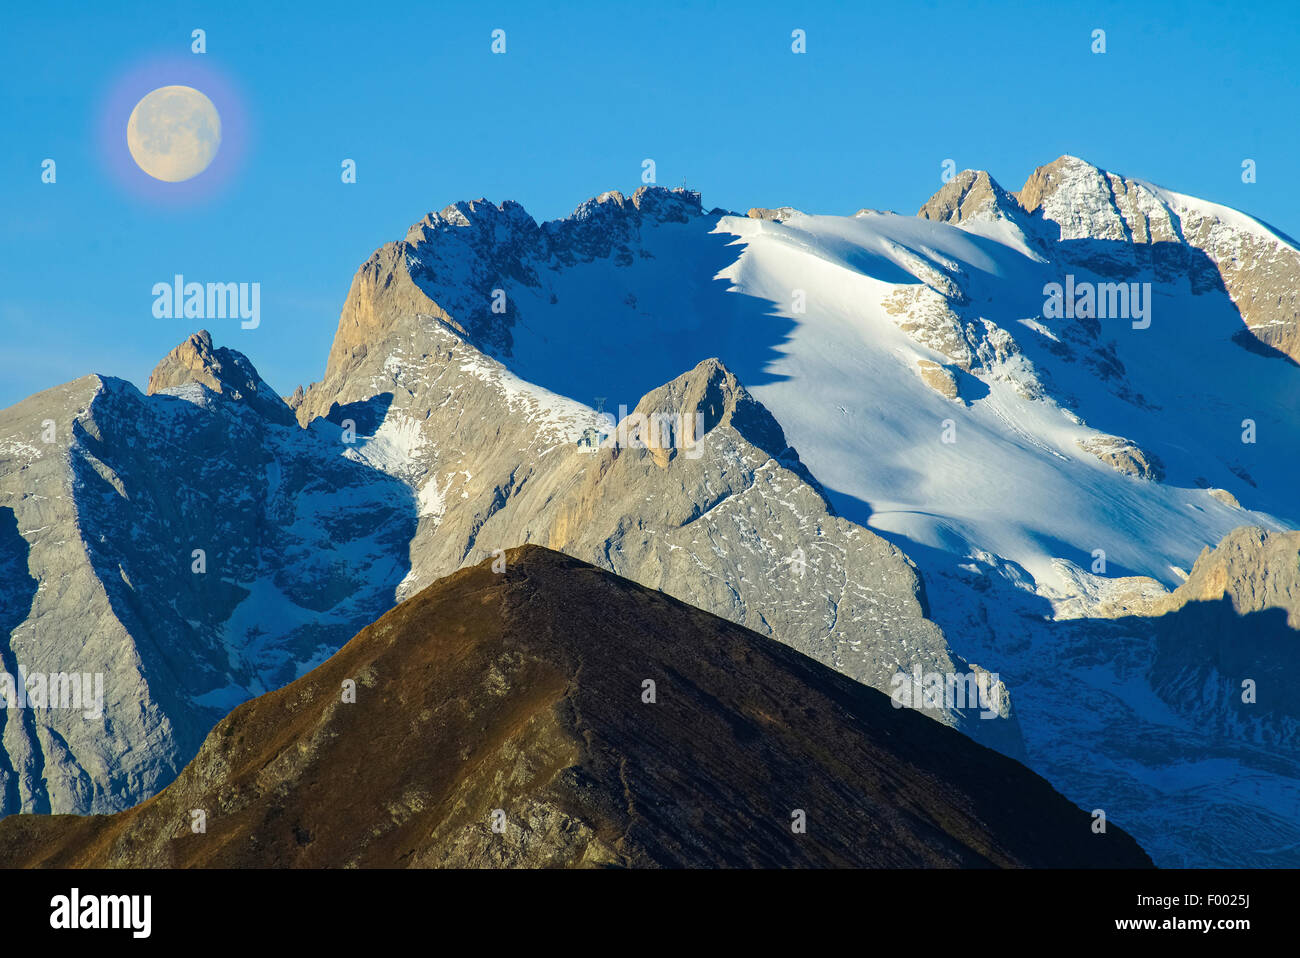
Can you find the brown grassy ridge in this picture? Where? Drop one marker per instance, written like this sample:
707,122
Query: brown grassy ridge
522,691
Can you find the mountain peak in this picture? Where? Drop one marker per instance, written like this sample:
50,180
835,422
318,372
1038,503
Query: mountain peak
676,204
481,214
1065,171
223,370
659,203
969,194
714,392
974,194
974,201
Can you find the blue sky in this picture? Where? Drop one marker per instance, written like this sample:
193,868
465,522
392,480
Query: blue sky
711,92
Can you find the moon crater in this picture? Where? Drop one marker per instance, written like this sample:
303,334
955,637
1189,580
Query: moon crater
174,133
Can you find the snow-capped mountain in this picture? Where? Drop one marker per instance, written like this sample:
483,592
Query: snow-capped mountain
193,547
1048,402
216,549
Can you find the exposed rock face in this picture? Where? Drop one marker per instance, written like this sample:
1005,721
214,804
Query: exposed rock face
1222,651
304,536
198,550
938,378
1104,228
736,524
937,316
1254,265
453,269
742,531
1124,456
224,371
1224,496
1066,217
674,738
382,293
52,589
1089,203
1153,722
1100,596
1253,569
1228,639
973,195
761,213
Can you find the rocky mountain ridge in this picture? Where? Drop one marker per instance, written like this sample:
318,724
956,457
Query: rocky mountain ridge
462,412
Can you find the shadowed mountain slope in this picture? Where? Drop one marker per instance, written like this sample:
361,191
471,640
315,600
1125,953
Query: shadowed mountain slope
518,697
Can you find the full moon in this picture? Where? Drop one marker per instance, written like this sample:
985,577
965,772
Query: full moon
174,133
